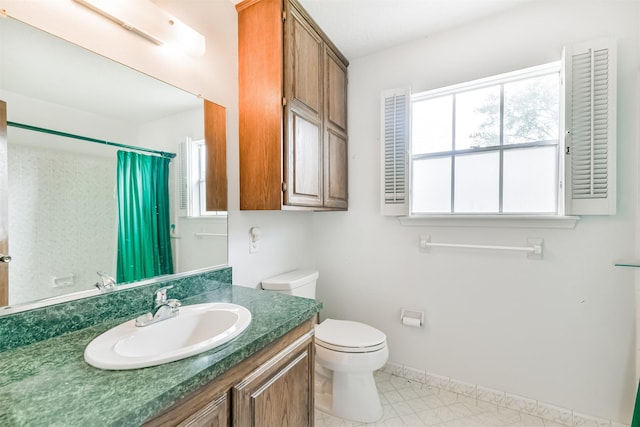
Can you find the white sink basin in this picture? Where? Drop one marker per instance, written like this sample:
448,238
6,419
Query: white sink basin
195,329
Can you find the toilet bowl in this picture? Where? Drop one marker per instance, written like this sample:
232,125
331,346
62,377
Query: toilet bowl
347,354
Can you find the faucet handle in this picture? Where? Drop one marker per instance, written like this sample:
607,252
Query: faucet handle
174,304
106,283
161,295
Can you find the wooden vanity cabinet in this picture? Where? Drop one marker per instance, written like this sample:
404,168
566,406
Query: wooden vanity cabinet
273,387
293,110
279,393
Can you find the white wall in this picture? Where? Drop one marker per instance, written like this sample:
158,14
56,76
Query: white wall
560,330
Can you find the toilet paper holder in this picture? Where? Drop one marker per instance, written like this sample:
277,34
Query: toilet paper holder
413,318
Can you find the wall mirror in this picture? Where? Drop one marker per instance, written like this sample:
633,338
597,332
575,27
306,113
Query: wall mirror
62,191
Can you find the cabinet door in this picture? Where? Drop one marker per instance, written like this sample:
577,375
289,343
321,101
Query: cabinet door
260,77
303,63
335,92
214,414
207,407
280,392
303,161
303,91
335,170
335,144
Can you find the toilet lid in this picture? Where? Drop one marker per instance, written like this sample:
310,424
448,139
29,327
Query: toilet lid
348,336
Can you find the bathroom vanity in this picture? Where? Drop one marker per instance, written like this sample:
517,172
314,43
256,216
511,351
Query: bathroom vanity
274,387
265,374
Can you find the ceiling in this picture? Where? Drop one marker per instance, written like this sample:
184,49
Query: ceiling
361,27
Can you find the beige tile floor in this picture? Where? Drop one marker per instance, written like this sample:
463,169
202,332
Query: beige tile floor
413,404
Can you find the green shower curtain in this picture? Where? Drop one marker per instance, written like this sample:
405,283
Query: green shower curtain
144,245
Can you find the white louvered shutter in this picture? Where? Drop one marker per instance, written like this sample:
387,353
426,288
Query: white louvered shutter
182,181
394,141
187,177
590,128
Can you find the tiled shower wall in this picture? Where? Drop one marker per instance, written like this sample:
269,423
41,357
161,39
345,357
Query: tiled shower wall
62,221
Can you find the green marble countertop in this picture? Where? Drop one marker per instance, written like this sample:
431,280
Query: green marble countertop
48,383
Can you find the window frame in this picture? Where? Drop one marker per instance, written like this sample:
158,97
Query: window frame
588,120
497,80
193,178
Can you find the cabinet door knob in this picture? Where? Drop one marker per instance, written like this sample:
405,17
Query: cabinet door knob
5,258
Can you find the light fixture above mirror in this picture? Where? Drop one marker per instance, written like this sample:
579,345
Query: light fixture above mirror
151,22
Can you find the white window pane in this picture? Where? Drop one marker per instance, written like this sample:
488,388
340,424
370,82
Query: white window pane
432,125
531,109
530,180
478,118
431,185
477,183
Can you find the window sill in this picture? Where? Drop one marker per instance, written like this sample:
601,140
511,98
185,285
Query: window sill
491,221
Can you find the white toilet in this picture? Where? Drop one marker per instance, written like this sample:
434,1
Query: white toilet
347,354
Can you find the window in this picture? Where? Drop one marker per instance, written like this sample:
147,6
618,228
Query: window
540,141
192,185
487,147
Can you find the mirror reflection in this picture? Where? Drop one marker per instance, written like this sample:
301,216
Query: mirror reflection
65,195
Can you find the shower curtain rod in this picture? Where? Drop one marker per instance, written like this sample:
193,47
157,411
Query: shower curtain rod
86,138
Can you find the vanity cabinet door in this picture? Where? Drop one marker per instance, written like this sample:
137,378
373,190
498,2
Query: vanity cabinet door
207,407
280,392
214,414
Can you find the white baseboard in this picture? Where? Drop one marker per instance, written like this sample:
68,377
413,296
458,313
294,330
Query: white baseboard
547,411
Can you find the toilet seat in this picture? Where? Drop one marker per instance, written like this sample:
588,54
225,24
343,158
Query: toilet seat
349,337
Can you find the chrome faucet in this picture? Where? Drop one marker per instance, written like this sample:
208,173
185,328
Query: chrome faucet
106,283
163,308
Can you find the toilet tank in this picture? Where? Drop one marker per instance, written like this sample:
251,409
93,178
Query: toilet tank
301,283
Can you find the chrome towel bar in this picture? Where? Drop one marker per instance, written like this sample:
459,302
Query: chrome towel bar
533,248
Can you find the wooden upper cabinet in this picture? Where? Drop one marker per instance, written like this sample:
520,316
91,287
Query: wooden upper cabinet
215,139
293,110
